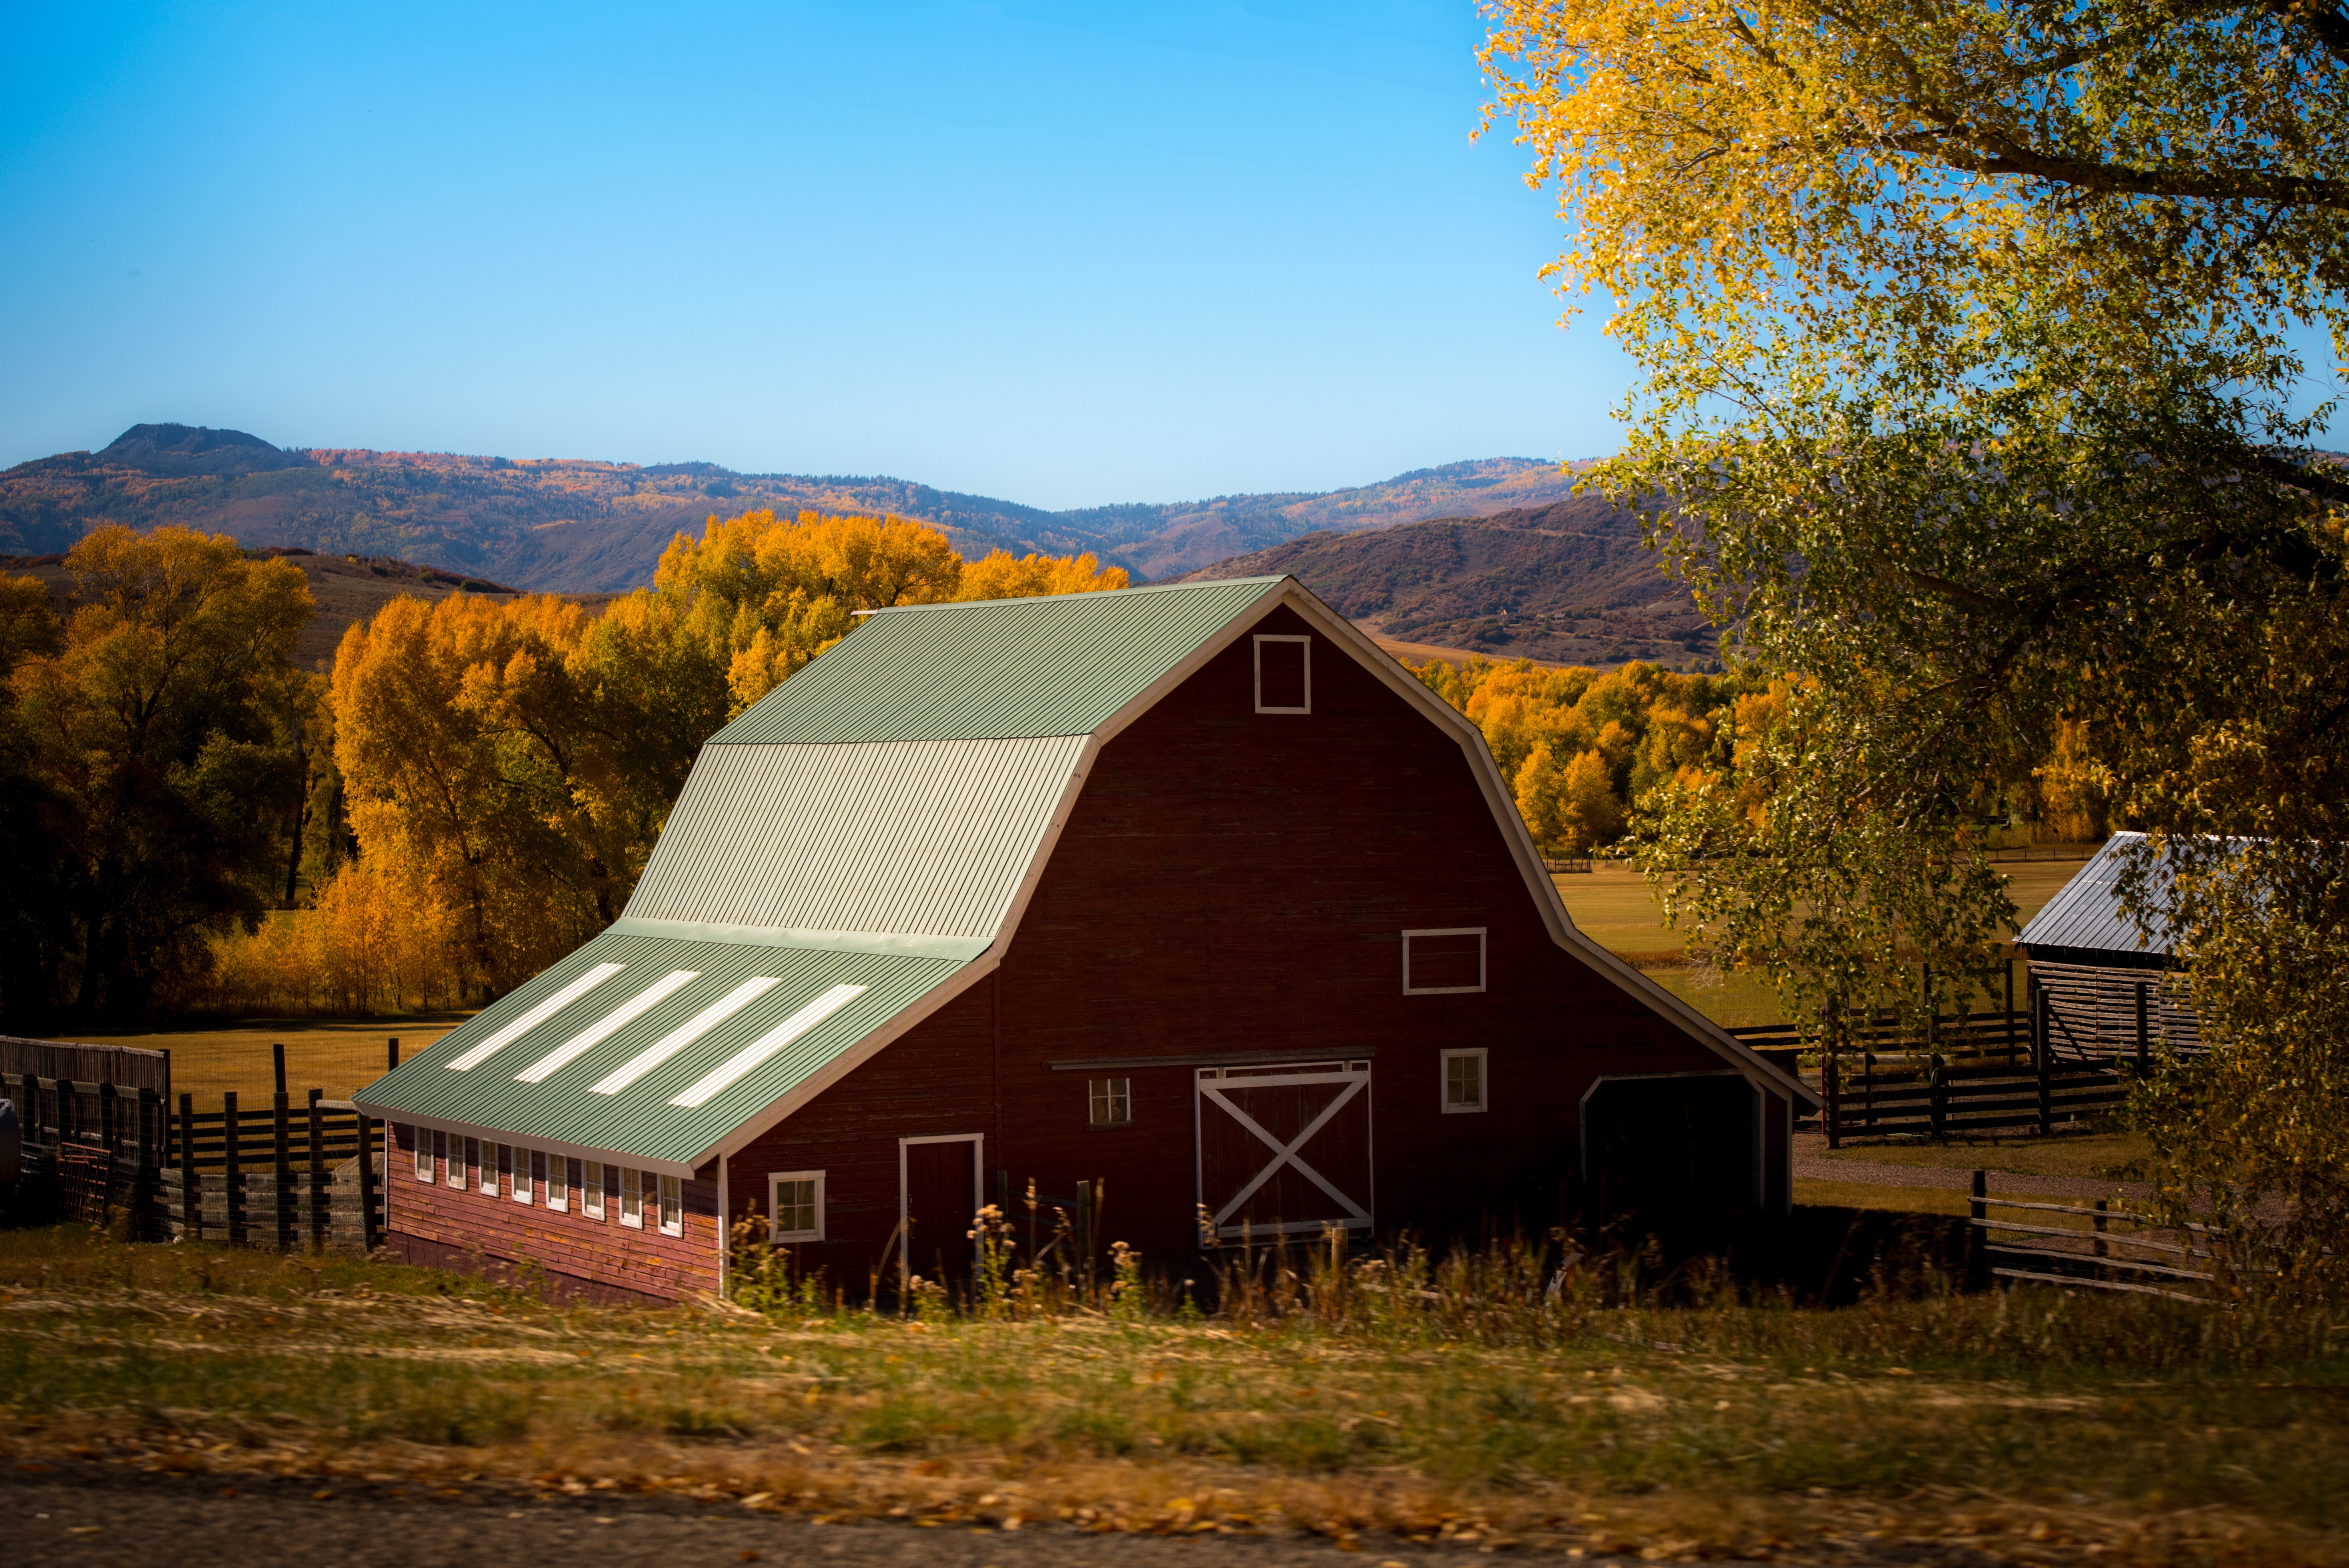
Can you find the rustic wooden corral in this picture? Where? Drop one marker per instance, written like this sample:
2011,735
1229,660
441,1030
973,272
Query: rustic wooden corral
124,1067
1273,943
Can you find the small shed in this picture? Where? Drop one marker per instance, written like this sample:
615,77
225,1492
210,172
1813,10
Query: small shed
2104,982
1188,897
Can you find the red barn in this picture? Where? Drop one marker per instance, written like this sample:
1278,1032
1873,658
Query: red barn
1191,891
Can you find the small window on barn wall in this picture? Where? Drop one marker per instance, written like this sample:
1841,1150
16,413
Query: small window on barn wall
1463,1080
423,1155
524,1175
478,1170
632,1198
795,1201
591,1196
1436,962
672,1206
559,1183
1109,1102
1284,675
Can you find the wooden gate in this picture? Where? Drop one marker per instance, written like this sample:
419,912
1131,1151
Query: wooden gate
1284,1149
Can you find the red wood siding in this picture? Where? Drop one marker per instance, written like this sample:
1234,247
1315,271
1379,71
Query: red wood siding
429,1222
1232,881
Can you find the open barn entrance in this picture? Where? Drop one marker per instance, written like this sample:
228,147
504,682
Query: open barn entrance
1284,1149
1673,1151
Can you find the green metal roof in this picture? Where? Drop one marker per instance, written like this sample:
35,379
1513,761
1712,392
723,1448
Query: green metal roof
904,847
996,668
644,1118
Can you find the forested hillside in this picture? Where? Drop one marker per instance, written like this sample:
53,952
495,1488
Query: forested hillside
1567,582
579,525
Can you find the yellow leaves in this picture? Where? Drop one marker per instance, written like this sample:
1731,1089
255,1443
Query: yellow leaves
999,575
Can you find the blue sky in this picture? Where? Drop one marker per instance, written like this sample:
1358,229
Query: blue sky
1064,255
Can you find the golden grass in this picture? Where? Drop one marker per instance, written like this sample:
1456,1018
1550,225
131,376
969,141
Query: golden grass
2033,1426
334,1055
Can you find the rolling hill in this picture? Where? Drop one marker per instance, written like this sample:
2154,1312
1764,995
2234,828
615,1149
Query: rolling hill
578,525
1568,583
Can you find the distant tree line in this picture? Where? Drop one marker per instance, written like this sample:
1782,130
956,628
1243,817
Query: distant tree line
472,791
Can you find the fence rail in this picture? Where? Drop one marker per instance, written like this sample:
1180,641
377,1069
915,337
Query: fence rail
2094,1256
124,1067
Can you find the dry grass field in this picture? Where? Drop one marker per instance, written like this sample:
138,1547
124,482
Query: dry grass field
2030,1427
336,1055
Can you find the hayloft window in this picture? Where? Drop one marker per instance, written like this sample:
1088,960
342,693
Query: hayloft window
672,1206
423,1155
1464,1081
632,1198
1440,961
795,1200
591,1197
1109,1102
1284,675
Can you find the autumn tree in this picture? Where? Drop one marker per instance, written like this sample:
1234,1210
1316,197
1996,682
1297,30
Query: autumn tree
1966,388
149,783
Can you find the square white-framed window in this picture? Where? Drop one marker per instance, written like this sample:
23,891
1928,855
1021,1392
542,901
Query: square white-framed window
1463,1080
672,1206
559,1183
1442,960
423,1155
526,1165
1284,674
591,1196
1109,1102
795,1206
632,1198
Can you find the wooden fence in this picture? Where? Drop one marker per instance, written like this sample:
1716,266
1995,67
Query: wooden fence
2099,1254
124,1067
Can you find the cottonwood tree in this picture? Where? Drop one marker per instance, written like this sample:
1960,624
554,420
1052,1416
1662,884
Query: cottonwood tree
1966,361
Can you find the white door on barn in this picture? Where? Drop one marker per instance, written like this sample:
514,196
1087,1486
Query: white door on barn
1284,1149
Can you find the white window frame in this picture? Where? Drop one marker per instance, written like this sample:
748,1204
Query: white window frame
423,1155
1264,637
1475,931
632,1198
482,1156
671,1216
558,1183
775,1232
525,1176
1116,1093
1476,1053
591,1196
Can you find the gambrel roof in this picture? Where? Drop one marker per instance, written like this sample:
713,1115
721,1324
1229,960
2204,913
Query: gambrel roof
854,851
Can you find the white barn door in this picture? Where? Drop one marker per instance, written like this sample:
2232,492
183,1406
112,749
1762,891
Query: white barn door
1284,1149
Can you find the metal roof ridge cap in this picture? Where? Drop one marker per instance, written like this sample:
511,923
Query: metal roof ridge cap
906,944
1091,595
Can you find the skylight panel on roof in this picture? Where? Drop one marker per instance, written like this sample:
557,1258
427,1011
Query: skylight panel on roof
587,1039
535,1017
684,1034
768,1044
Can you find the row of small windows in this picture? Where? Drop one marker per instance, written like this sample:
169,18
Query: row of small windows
555,1182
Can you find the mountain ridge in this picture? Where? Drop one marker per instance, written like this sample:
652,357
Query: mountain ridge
584,525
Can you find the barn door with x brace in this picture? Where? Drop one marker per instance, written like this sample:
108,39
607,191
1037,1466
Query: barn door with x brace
1284,1149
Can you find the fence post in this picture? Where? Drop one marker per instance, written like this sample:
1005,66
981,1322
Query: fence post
231,1170
314,1190
2010,1010
1978,1233
1867,1087
109,1135
391,1055
277,1061
2097,1220
2039,1045
367,1181
191,1193
2144,1046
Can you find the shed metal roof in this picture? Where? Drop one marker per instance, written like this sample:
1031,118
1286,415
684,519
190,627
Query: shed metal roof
997,668
2087,914
696,1029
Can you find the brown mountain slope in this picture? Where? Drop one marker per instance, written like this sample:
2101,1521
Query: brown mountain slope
1568,583
577,524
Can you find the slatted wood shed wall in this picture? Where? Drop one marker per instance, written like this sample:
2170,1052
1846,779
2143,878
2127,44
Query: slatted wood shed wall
1191,891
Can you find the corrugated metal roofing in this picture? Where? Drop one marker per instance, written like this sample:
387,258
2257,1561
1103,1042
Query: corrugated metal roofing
505,1089
2085,913
907,846
1001,668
